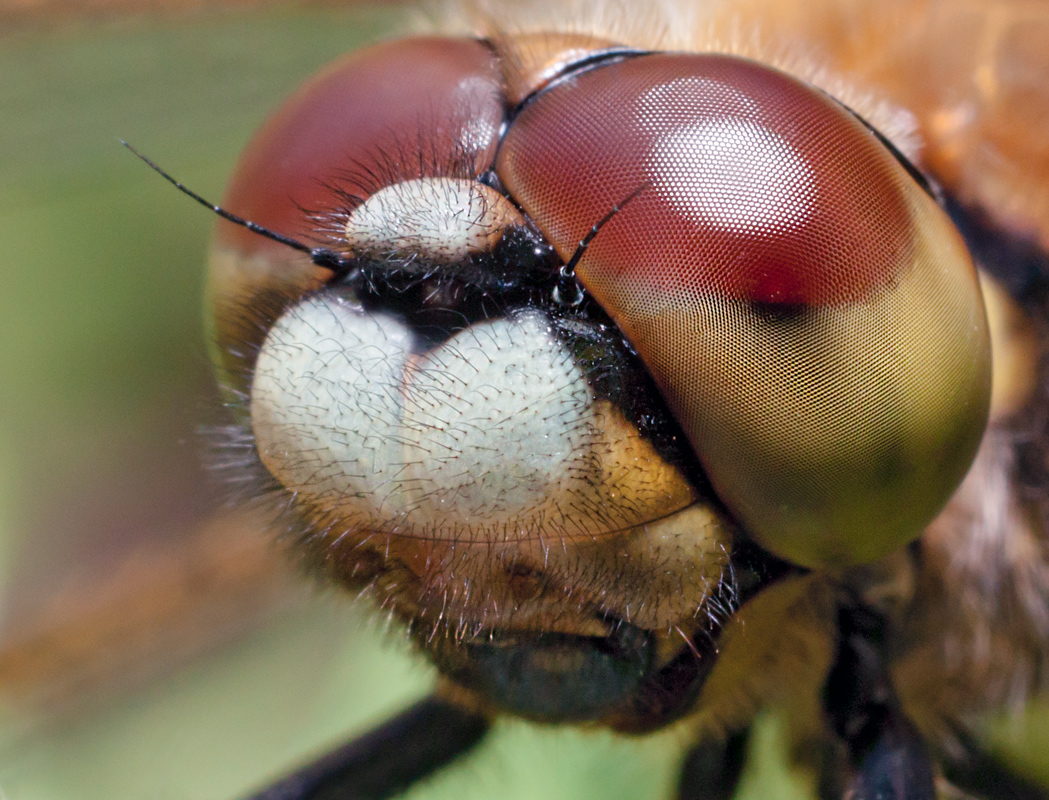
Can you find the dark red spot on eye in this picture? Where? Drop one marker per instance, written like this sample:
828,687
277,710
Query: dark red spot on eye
775,287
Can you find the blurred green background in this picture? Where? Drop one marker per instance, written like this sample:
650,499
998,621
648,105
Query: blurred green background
103,384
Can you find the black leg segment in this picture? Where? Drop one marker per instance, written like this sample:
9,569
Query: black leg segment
389,759
983,777
887,757
711,770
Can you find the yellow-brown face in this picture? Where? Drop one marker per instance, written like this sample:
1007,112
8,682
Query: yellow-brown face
621,337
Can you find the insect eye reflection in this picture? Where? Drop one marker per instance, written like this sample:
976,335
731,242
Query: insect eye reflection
779,375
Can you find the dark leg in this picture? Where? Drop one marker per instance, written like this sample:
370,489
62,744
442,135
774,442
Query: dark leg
886,756
981,775
389,759
712,769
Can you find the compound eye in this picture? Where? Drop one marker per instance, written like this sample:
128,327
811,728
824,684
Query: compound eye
370,123
811,316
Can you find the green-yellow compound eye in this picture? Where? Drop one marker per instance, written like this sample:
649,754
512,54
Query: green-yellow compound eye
808,311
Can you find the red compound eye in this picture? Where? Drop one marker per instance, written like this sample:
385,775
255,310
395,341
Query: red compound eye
809,313
406,109
753,185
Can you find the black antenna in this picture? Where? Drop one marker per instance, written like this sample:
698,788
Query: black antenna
567,272
568,269
321,256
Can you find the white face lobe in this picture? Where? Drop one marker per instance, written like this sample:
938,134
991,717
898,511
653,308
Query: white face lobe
308,436
500,415
485,453
492,435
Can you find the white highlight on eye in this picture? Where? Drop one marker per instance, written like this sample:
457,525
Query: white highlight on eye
716,161
439,219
